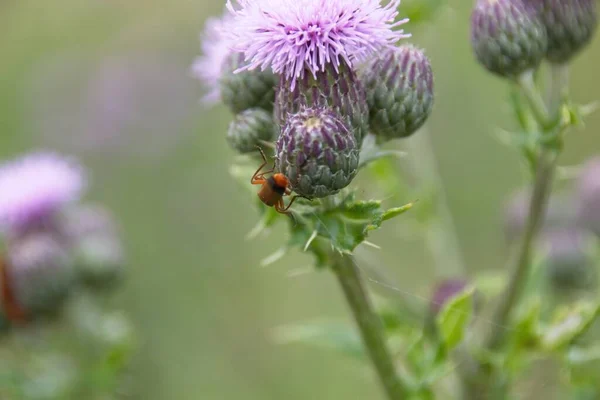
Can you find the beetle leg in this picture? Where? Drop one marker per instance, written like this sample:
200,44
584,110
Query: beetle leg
284,209
258,179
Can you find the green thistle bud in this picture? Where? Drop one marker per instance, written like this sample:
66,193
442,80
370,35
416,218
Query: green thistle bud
40,272
96,244
399,84
100,260
317,152
250,128
507,36
341,91
246,89
570,25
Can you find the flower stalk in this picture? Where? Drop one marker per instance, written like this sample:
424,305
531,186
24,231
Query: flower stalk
369,324
544,174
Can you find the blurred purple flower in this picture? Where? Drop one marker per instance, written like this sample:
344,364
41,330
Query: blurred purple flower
291,36
216,46
36,186
588,195
136,105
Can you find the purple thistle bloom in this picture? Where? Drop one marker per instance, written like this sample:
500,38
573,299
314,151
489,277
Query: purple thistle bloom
216,47
35,186
291,36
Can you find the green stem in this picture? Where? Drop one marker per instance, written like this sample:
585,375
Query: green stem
536,102
518,279
369,324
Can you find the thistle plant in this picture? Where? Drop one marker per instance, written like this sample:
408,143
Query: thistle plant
346,82
59,256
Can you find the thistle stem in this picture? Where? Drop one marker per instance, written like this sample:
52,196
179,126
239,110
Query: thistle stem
544,175
522,262
536,102
369,324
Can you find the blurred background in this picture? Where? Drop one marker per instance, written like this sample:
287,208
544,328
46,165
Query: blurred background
109,82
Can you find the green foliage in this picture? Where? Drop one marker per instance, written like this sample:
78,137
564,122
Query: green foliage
326,334
568,325
453,320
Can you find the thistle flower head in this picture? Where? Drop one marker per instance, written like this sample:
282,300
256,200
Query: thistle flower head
251,128
570,25
317,152
507,36
216,47
35,186
40,272
292,36
399,86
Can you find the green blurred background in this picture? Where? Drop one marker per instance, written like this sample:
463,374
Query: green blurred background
108,81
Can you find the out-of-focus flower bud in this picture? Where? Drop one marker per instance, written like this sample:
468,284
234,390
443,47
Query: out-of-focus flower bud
39,272
399,85
570,25
246,89
341,91
568,261
588,196
317,152
251,128
508,36
96,244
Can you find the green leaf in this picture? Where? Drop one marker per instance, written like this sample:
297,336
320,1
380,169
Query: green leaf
336,336
454,318
569,325
527,329
342,221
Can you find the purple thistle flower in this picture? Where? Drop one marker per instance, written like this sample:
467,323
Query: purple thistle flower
216,47
35,186
291,36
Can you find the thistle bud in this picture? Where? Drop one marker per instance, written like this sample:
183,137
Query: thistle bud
246,89
88,219
251,128
100,260
399,85
588,196
317,152
570,25
340,90
508,36
96,245
569,263
40,272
